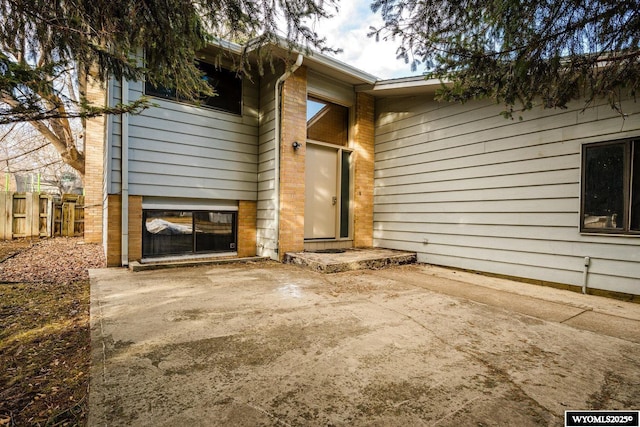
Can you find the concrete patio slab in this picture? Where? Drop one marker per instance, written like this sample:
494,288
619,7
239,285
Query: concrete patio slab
271,344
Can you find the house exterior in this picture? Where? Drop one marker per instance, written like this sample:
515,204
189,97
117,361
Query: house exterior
465,187
318,155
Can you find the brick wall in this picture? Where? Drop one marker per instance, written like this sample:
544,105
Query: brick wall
94,146
247,220
294,128
364,166
135,228
114,229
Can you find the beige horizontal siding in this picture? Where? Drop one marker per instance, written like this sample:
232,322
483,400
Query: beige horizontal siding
465,187
181,150
266,208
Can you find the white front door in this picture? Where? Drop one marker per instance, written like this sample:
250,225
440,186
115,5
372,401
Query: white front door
321,192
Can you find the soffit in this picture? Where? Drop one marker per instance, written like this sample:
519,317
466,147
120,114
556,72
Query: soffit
401,87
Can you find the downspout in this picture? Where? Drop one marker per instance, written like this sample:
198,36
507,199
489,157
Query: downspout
585,275
108,171
124,167
276,186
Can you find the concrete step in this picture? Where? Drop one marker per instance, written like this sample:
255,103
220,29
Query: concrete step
160,264
336,261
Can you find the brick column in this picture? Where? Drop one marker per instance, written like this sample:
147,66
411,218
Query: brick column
94,146
114,230
294,128
364,165
135,228
247,220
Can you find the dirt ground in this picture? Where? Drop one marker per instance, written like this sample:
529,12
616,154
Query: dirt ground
44,331
58,260
270,344
9,248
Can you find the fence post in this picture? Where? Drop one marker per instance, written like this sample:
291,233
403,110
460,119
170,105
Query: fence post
8,207
3,215
27,226
78,226
34,225
50,216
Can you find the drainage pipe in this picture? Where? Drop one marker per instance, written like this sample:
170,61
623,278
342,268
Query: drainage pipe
124,169
277,144
585,274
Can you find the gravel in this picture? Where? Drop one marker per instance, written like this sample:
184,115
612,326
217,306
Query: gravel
57,260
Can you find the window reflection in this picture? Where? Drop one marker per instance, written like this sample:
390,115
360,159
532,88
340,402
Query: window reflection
327,122
604,187
185,232
214,231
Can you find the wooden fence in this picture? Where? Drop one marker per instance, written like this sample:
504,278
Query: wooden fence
29,215
68,216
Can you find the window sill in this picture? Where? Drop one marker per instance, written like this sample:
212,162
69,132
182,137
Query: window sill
189,257
591,233
204,107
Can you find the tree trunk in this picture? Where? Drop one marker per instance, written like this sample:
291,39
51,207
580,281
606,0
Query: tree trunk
63,143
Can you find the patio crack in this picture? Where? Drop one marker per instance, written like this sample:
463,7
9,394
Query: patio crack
576,315
501,373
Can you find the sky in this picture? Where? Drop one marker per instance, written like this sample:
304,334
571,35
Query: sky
348,29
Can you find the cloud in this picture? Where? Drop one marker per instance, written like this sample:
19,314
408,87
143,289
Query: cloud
348,30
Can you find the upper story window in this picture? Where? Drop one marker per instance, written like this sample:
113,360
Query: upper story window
327,122
226,84
611,187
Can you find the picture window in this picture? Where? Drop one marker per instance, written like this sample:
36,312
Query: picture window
611,187
226,84
175,232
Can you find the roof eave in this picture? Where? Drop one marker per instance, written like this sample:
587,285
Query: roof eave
317,61
402,86
330,65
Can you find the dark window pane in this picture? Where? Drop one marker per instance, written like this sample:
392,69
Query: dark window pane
215,231
345,186
159,91
166,233
635,187
226,84
604,187
171,232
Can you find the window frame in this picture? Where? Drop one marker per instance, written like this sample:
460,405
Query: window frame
328,105
629,145
194,235
154,92
346,191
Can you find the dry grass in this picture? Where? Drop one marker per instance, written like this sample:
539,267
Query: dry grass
44,335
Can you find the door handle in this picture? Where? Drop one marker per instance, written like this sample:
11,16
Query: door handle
334,200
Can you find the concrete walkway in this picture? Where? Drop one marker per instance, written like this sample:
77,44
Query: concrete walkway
272,344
